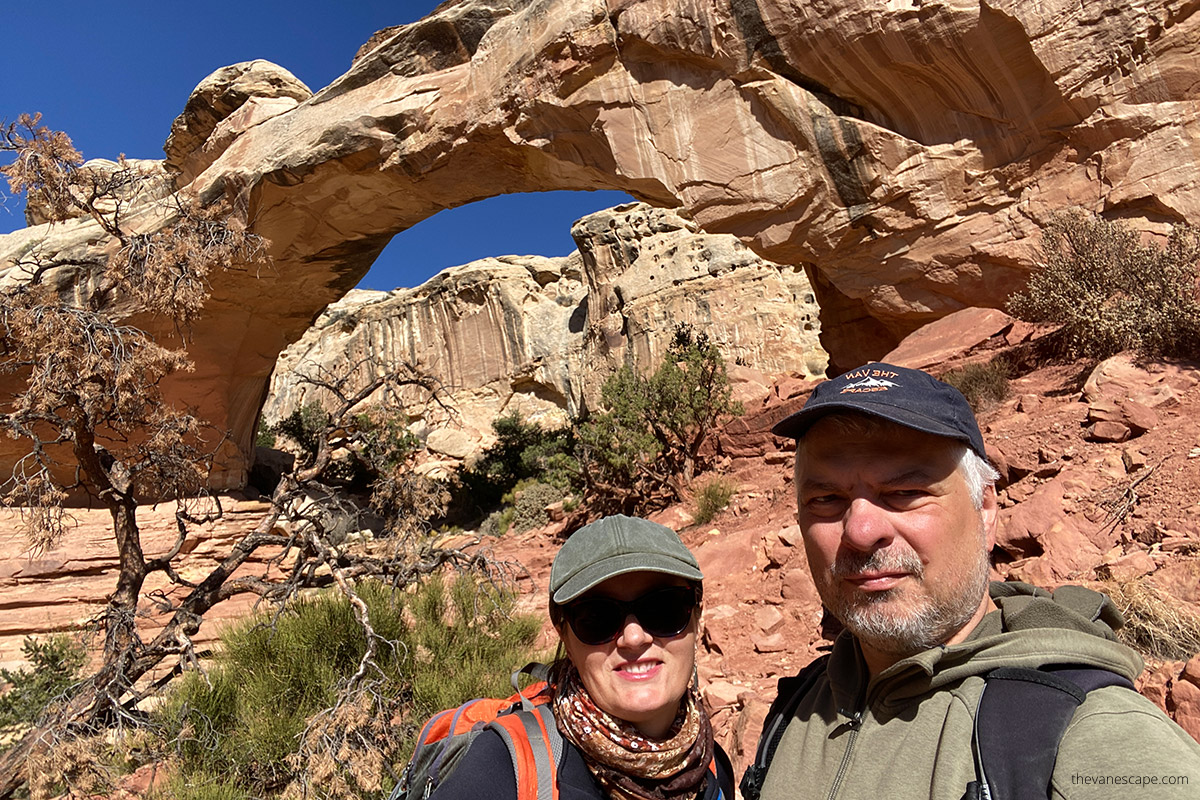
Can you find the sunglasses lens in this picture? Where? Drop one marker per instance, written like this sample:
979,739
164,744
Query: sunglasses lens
666,612
596,620
663,612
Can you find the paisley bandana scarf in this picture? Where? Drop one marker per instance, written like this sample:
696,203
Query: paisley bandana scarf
627,764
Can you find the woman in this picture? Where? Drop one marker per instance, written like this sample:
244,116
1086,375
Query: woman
625,599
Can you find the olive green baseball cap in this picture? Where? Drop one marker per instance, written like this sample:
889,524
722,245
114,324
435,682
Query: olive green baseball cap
614,546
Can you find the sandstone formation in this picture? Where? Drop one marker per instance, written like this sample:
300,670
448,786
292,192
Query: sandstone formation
501,335
904,154
61,590
134,182
537,336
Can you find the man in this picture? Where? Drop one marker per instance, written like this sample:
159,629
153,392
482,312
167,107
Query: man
897,507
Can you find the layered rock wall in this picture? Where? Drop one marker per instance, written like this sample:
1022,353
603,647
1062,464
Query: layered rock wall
905,154
537,336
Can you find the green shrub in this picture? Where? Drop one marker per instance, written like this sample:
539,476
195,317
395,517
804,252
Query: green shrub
644,448
200,785
264,435
982,384
55,666
529,505
382,439
303,427
713,497
523,451
497,523
243,719
1111,293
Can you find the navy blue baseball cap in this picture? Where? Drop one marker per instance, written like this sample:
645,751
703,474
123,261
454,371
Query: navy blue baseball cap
907,397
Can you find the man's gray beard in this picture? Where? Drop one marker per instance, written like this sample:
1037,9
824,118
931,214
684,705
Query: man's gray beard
933,620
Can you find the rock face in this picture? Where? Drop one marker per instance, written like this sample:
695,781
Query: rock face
66,587
537,336
497,333
904,154
225,105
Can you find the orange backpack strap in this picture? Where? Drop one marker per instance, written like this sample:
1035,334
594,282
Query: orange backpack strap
536,747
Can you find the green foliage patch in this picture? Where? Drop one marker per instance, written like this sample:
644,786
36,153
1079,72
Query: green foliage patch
1110,292
243,718
712,498
55,664
646,446
529,502
524,451
302,426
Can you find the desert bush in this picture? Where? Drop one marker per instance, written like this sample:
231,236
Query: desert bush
382,440
1111,293
55,664
523,451
302,427
1155,625
264,435
712,498
983,385
276,682
200,785
529,503
83,766
497,523
645,447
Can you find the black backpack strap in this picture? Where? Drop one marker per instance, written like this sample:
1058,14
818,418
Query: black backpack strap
791,691
720,776
1019,722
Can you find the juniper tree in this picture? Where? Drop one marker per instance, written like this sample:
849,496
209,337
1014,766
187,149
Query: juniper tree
644,448
87,403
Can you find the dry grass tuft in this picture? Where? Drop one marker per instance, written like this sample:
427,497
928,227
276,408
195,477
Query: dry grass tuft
79,765
1155,624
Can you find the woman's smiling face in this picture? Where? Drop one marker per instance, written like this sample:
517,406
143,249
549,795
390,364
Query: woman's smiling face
636,677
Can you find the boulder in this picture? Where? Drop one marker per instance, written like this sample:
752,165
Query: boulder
954,335
1121,379
1185,698
255,90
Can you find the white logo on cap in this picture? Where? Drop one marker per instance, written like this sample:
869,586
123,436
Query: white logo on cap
868,385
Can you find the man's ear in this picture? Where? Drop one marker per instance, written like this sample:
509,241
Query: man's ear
989,514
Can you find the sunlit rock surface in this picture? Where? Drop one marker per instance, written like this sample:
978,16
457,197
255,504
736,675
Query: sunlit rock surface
903,153
537,336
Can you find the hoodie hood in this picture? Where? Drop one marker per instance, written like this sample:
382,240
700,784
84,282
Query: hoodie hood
1030,628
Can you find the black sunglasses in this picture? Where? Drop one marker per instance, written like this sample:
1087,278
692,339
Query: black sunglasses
663,613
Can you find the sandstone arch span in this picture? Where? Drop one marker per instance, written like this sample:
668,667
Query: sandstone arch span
904,152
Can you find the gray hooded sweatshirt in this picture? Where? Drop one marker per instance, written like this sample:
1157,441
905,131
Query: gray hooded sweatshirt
906,733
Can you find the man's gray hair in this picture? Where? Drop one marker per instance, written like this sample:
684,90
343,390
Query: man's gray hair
978,474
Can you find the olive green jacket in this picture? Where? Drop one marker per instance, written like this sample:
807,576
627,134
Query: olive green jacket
907,732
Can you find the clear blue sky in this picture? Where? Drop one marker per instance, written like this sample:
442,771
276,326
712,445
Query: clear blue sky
115,75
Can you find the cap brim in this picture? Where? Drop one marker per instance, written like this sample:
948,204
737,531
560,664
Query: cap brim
795,425
595,574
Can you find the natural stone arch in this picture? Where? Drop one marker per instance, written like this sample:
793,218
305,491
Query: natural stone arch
904,155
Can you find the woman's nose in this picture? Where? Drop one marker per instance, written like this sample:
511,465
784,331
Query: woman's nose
632,633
